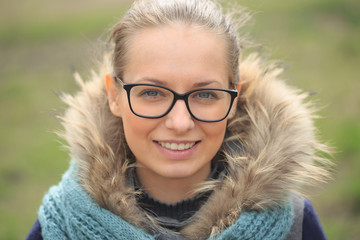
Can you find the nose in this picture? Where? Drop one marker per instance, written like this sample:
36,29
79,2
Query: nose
179,118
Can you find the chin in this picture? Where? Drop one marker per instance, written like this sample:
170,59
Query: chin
177,173
184,171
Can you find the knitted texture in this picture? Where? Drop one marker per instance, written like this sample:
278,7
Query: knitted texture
69,213
270,224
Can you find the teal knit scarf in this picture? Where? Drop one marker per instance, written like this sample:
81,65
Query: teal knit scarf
68,212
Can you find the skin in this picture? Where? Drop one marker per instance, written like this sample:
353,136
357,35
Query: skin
182,58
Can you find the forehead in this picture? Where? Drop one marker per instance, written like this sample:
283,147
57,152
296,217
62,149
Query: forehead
176,52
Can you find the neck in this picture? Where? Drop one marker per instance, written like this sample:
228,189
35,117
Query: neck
170,190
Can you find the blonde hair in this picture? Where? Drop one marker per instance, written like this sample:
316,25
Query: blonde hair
205,14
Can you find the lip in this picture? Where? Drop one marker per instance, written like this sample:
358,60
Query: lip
177,154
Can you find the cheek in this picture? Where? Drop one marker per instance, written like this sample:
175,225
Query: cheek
215,133
135,128
130,121
137,131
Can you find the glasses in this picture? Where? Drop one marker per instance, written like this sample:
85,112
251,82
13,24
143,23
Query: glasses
154,101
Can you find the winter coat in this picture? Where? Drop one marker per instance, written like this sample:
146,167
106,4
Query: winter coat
270,150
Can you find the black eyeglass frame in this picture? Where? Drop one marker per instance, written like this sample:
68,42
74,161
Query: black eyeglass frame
177,96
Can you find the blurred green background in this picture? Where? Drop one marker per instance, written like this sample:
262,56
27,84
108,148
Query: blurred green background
41,41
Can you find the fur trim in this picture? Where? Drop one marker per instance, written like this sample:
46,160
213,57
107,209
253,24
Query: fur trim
272,124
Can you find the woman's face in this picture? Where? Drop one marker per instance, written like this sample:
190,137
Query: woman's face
182,59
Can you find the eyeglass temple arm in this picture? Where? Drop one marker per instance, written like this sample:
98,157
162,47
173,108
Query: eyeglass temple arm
118,78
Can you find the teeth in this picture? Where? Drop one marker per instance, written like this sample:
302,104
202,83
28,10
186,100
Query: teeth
175,146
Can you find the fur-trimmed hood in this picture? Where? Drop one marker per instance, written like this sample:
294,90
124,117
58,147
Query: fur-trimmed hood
273,125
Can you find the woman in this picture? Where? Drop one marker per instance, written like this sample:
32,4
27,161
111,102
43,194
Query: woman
179,138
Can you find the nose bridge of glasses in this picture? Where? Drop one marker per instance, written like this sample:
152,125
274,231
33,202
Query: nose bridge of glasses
175,104
181,96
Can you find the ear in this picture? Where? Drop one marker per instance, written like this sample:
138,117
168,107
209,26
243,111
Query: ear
234,106
238,87
113,96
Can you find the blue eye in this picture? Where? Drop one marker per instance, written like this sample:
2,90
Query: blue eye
206,95
150,93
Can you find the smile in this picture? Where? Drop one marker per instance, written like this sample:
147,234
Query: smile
177,146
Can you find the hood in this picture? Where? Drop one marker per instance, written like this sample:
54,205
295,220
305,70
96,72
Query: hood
279,152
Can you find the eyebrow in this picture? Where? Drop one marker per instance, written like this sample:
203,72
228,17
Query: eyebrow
152,80
164,83
205,83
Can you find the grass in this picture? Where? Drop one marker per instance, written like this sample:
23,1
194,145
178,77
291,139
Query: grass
317,40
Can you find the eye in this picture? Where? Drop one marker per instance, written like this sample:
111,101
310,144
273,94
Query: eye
150,93
206,95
